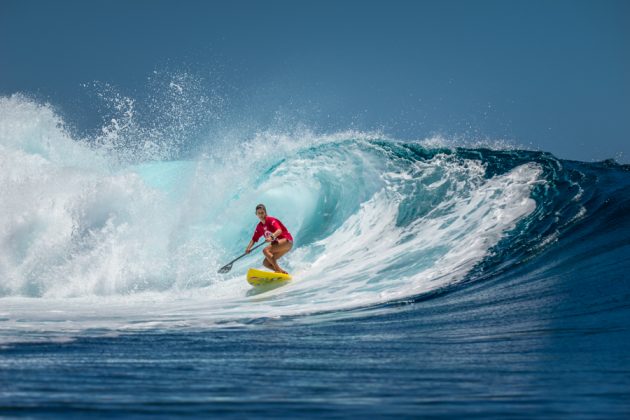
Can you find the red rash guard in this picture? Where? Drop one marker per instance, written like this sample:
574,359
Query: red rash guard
271,225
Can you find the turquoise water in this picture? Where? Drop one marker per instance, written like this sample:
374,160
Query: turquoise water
429,278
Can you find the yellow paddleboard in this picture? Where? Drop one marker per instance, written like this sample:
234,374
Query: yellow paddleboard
263,278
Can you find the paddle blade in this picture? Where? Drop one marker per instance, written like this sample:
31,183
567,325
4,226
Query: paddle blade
225,269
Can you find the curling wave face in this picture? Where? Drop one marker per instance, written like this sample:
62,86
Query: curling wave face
89,240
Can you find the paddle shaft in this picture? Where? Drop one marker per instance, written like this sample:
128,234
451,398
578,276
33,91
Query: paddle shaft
228,266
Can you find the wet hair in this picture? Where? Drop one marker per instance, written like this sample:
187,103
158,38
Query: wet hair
261,206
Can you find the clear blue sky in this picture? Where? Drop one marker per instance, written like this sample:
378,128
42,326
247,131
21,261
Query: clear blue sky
551,75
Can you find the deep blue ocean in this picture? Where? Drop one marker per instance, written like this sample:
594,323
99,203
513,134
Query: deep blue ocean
431,279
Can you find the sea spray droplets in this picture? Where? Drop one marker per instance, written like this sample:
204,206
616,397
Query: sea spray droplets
168,124
182,106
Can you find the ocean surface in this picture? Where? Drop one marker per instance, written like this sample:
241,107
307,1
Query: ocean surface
431,279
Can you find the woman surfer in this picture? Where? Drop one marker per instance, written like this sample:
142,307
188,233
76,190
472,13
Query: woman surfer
276,234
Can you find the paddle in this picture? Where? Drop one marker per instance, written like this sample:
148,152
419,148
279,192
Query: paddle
226,268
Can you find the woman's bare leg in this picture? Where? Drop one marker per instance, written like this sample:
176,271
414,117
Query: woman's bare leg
268,264
274,251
